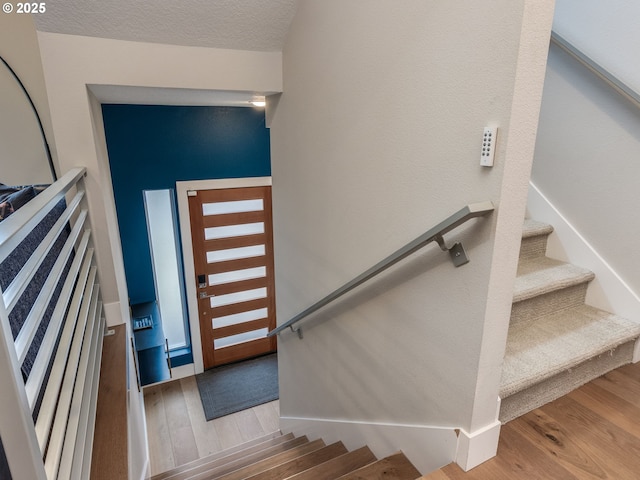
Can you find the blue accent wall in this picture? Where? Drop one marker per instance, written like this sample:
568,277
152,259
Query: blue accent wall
151,147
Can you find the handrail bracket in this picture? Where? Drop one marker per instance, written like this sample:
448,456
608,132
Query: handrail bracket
297,330
440,241
457,253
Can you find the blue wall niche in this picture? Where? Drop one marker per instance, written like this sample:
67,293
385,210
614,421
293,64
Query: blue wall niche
152,147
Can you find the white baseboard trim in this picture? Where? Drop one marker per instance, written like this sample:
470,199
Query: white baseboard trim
145,471
183,371
477,447
428,448
113,314
608,291
177,373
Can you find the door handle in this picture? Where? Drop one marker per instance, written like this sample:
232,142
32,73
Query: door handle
203,295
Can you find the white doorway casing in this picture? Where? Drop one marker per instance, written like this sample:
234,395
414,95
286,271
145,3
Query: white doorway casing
182,189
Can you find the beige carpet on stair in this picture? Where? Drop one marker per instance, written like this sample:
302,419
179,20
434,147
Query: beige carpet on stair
558,342
545,275
566,381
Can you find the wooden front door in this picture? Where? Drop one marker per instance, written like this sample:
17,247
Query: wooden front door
232,238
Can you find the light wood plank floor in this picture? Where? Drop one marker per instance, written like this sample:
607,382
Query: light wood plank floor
592,433
178,432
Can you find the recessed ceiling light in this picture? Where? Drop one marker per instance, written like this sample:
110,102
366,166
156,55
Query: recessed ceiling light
258,102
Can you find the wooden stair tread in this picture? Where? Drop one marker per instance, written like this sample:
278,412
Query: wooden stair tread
437,475
393,467
302,463
228,455
267,463
216,469
338,466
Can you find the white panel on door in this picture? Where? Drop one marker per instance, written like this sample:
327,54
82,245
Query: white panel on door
238,318
235,253
237,275
237,297
240,338
230,231
238,206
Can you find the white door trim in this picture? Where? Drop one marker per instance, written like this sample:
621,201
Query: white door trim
182,189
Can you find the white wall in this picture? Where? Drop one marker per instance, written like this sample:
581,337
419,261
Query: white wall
22,152
375,139
586,161
73,64
605,31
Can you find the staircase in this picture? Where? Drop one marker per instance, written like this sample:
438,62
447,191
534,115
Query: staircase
556,343
294,458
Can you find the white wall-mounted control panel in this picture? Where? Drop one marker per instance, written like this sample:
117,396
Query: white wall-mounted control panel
489,138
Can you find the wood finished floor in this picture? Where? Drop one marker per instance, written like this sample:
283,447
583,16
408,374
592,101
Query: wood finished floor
178,432
592,433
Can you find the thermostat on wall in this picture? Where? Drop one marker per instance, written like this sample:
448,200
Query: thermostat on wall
488,146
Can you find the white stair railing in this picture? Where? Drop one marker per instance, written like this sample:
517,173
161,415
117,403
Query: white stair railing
47,411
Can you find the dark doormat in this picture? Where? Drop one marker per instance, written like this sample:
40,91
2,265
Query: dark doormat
231,388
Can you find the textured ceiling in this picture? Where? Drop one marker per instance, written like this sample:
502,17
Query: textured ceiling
259,25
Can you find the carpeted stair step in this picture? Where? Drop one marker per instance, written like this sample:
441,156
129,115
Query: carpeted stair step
225,456
253,468
544,286
338,466
302,463
565,382
558,353
545,275
556,343
393,467
534,239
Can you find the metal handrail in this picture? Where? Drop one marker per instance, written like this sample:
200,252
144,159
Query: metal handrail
432,235
613,81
